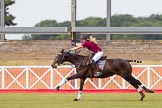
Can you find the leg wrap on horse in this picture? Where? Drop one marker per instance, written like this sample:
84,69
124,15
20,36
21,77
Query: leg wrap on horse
79,95
62,82
139,89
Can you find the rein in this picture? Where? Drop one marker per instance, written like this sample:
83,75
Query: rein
62,57
79,64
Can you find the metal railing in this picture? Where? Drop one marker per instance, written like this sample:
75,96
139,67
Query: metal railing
81,30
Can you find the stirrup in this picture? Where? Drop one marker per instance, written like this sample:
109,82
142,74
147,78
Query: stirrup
98,74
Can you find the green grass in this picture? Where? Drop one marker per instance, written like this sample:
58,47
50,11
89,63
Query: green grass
98,100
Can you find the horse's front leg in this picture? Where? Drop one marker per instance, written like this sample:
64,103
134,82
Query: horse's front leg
80,89
61,83
75,76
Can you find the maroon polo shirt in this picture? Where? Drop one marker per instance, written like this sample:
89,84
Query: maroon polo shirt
91,46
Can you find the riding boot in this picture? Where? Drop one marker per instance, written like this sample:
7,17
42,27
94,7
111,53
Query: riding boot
95,71
93,64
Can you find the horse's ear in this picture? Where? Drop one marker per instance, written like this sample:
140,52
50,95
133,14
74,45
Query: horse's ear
62,51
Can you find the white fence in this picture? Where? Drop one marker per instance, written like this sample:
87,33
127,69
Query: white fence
44,77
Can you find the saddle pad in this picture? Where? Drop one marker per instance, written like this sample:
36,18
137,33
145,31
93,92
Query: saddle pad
101,64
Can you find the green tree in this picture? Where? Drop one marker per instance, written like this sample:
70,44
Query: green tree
51,23
9,17
92,22
123,20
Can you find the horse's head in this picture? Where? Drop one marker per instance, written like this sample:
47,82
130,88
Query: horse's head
66,56
59,59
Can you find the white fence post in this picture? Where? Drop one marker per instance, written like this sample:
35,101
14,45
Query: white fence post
99,83
27,77
148,76
124,83
51,78
3,77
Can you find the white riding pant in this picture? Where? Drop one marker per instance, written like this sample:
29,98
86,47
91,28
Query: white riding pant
97,56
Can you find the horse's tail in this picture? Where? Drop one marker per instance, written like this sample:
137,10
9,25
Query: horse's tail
136,61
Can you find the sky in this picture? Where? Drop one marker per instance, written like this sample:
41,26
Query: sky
30,12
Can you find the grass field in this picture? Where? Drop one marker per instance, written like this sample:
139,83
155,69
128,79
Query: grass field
96,100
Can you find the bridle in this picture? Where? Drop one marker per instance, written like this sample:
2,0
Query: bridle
62,57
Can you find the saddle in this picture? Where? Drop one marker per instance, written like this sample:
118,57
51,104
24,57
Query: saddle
98,66
102,58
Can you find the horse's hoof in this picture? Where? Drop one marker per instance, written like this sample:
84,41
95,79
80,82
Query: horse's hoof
142,95
142,98
148,90
57,88
76,99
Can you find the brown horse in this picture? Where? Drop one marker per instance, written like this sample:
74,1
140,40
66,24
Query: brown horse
111,67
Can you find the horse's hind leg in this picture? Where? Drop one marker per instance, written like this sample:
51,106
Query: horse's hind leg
139,89
145,88
135,83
